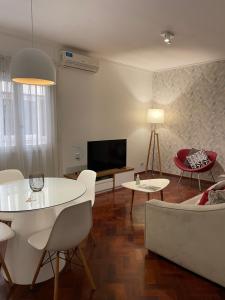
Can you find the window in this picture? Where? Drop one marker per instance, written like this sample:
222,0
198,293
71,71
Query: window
35,127
32,110
27,126
7,123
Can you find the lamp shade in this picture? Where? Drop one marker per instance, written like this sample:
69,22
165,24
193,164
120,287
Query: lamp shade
33,66
155,116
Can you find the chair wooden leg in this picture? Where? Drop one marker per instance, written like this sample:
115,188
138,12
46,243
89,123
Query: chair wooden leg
87,270
38,269
92,237
2,262
56,282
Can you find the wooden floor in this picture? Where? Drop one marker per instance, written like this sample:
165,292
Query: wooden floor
121,266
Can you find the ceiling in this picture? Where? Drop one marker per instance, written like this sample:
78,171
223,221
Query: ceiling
126,31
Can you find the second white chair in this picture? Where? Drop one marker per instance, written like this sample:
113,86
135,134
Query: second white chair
72,226
5,177
10,175
88,178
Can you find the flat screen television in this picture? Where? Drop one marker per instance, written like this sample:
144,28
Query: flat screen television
106,154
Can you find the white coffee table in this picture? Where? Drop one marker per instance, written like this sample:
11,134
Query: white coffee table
147,186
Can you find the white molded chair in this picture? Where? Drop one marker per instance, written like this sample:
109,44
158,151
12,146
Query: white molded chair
6,233
8,176
72,226
88,178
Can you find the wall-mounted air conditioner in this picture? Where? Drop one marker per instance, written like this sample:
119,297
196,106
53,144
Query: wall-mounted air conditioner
70,59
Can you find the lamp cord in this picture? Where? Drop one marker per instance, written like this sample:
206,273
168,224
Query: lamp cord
32,23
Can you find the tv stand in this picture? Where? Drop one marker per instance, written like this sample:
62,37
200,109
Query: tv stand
109,179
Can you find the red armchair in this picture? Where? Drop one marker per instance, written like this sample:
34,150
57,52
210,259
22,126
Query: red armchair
179,160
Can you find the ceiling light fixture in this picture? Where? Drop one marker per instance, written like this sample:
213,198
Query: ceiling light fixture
32,65
167,37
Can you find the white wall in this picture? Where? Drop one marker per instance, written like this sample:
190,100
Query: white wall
110,104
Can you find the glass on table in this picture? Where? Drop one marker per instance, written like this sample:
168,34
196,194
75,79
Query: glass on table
36,182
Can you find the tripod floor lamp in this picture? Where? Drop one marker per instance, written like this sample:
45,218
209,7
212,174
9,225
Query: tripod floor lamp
154,117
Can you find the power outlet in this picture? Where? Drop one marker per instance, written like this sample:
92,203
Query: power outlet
77,153
77,156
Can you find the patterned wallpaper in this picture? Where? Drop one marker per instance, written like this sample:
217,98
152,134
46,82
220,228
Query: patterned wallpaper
194,102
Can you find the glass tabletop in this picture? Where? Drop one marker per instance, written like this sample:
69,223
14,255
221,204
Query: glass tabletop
17,196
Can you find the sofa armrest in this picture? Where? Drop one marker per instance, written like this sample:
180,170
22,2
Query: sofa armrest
192,236
221,177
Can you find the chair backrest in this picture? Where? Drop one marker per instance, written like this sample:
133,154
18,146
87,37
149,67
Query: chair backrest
212,155
71,227
88,178
182,154
10,175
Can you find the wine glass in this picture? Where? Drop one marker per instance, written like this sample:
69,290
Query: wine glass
36,182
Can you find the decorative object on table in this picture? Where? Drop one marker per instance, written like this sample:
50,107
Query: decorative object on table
36,182
32,65
181,158
154,116
138,179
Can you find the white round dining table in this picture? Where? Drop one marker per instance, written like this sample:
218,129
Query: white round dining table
31,212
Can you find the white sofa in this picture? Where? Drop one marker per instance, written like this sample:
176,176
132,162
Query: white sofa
192,236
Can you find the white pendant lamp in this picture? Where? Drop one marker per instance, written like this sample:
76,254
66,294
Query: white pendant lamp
33,66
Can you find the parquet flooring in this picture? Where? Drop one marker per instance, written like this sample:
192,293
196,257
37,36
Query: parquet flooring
121,266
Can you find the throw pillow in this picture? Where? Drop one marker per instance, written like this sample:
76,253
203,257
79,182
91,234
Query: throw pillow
205,197
192,151
216,197
198,159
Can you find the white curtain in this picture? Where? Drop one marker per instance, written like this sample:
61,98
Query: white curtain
27,126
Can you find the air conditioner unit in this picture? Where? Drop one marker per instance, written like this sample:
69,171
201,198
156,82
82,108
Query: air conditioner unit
73,60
